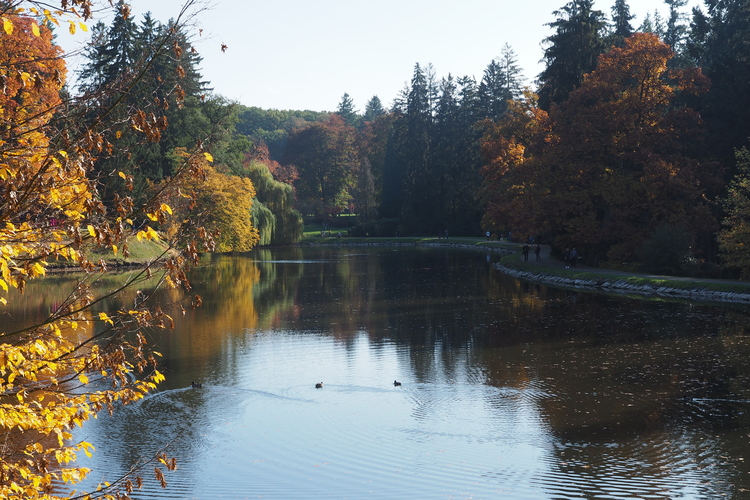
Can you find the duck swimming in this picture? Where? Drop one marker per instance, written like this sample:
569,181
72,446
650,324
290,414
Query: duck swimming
319,385
396,383
196,386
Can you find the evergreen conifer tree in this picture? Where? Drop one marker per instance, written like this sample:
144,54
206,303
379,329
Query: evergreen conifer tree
346,110
373,109
572,50
621,27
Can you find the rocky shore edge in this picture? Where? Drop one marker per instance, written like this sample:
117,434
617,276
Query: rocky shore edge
623,287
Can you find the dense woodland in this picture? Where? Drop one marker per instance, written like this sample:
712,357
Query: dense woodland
629,145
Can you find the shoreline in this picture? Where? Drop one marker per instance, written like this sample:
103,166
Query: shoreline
606,283
622,287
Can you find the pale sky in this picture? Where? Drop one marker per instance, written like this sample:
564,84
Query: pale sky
302,54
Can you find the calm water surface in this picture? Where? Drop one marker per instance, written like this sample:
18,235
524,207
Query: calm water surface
509,390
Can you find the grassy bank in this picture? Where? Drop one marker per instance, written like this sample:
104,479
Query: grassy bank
605,275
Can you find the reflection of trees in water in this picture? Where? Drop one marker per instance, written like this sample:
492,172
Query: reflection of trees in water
596,369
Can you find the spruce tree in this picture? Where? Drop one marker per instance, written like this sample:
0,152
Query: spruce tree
719,43
418,179
675,31
112,54
572,50
621,27
373,109
346,110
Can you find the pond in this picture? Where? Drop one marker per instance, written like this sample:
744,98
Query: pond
508,389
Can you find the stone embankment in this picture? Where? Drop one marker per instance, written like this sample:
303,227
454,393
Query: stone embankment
611,285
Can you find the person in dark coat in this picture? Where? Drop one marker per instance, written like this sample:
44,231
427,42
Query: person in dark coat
537,252
525,251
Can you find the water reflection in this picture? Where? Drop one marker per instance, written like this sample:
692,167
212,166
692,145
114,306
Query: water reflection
508,388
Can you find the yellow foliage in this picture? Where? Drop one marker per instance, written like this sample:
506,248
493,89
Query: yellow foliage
224,201
53,374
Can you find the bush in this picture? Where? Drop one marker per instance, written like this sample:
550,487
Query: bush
669,251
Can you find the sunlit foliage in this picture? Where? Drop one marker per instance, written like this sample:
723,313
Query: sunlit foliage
609,165
83,358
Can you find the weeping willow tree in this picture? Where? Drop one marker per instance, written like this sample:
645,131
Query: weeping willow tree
264,220
274,215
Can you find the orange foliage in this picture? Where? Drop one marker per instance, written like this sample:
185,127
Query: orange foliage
282,173
609,164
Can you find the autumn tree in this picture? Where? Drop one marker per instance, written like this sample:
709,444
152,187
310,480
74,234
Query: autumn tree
325,155
613,162
274,214
83,358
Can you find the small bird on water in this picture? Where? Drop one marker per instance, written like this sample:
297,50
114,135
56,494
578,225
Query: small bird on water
319,385
396,383
196,386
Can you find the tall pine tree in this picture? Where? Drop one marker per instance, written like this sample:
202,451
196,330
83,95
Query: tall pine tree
719,43
572,51
621,27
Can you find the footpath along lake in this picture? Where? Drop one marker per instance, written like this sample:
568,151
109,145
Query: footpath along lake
509,389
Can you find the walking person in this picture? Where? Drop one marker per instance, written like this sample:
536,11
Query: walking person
537,251
573,256
525,251
566,257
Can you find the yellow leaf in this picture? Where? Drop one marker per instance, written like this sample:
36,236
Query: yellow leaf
83,378
208,157
38,270
4,285
7,26
166,208
92,231
35,29
152,217
103,316
72,28
114,249
83,26
74,325
122,174
118,134
140,235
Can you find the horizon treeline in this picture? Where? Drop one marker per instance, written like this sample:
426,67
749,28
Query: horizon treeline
463,155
